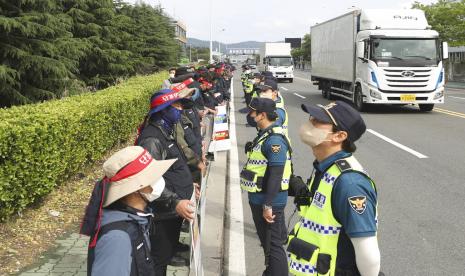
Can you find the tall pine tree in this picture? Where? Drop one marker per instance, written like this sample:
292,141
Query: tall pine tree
38,53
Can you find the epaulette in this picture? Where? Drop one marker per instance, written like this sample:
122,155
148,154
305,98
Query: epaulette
343,165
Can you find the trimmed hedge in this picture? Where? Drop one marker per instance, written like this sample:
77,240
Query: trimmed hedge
42,145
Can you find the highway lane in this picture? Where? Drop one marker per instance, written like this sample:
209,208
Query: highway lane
421,218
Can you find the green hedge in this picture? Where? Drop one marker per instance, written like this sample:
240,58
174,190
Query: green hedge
42,145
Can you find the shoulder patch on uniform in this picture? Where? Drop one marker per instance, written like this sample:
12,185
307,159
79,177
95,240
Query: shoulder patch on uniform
343,165
275,148
358,203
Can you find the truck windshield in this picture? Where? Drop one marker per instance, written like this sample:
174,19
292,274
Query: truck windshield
406,52
280,61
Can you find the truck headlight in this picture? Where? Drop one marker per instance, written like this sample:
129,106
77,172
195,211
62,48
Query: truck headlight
375,94
438,95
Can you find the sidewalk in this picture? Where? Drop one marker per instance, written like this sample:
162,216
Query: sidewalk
70,259
455,85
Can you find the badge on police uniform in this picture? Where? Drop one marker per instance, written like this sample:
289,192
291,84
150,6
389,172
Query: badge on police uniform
275,148
358,203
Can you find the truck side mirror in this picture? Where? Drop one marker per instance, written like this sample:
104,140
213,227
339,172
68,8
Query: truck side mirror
361,50
445,50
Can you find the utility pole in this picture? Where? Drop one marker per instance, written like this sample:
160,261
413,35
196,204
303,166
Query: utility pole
211,30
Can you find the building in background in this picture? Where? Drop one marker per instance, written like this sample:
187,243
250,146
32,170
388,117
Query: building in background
455,65
180,32
241,55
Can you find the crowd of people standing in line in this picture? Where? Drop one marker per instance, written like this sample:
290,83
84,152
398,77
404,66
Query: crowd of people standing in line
148,195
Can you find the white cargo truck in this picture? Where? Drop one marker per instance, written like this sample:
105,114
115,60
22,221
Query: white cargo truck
276,58
379,57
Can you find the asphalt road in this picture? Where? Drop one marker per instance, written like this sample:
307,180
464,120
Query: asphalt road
421,185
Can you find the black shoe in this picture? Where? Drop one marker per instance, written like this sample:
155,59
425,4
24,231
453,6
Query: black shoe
181,247
178,261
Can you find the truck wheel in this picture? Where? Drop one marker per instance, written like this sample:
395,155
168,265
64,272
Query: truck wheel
291,80
358,99
426,107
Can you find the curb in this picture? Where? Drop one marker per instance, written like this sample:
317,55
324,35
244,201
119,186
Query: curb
212,242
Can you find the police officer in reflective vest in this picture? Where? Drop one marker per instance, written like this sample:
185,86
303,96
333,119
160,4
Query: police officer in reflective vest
265,177
336,234
269,90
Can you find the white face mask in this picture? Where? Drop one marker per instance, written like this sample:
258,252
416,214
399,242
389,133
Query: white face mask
311,135
157,189
247,71
171,75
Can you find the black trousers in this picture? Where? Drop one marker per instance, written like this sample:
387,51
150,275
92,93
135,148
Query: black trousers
164,239
277,262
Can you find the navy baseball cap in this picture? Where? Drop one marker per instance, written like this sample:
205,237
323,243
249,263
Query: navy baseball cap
267,84
262,105
343,116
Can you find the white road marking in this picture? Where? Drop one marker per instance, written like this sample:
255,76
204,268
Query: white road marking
236,254
300,96
399,145
284,88
302,79
461,98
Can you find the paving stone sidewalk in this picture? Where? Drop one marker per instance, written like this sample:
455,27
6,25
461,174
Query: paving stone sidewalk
70,259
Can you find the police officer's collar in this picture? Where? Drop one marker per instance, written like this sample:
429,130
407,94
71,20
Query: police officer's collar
269,130
325,164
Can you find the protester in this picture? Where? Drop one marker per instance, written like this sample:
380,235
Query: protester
158,137
120,243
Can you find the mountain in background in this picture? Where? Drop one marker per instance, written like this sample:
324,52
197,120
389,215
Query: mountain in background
206,44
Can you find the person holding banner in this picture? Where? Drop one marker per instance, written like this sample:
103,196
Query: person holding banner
265,177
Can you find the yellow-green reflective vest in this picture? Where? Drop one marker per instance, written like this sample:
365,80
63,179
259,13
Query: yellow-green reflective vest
248,87
312,245
254,170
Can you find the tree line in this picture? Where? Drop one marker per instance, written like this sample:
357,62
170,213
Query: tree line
53,48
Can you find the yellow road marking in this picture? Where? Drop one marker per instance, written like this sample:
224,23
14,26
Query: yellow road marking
449,112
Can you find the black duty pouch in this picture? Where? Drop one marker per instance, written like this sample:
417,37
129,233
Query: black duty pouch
248,175
301,249
323,263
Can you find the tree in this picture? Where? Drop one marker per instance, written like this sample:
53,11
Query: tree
448,18
38,52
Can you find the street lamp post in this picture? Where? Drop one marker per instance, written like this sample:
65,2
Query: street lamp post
211,29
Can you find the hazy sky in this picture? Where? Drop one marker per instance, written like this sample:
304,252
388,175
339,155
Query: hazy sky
263,20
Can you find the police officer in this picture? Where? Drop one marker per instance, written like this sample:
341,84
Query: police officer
265,177
337,231
250,85
158,138
269,90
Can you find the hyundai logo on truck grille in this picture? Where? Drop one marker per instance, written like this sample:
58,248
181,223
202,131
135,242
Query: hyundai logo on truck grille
408,74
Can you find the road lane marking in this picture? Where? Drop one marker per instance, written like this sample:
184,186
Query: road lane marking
399,145
236,254
449,112
284,88
300,96
461,98
302,79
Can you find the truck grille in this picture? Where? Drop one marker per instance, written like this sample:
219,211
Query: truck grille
401,78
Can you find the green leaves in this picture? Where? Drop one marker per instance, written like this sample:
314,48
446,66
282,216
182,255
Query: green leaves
448,18
47,46
42,145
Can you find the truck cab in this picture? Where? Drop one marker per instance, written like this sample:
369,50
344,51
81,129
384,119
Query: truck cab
399,60
276,58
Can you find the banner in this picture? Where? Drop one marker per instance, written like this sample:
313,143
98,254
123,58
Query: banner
220,138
